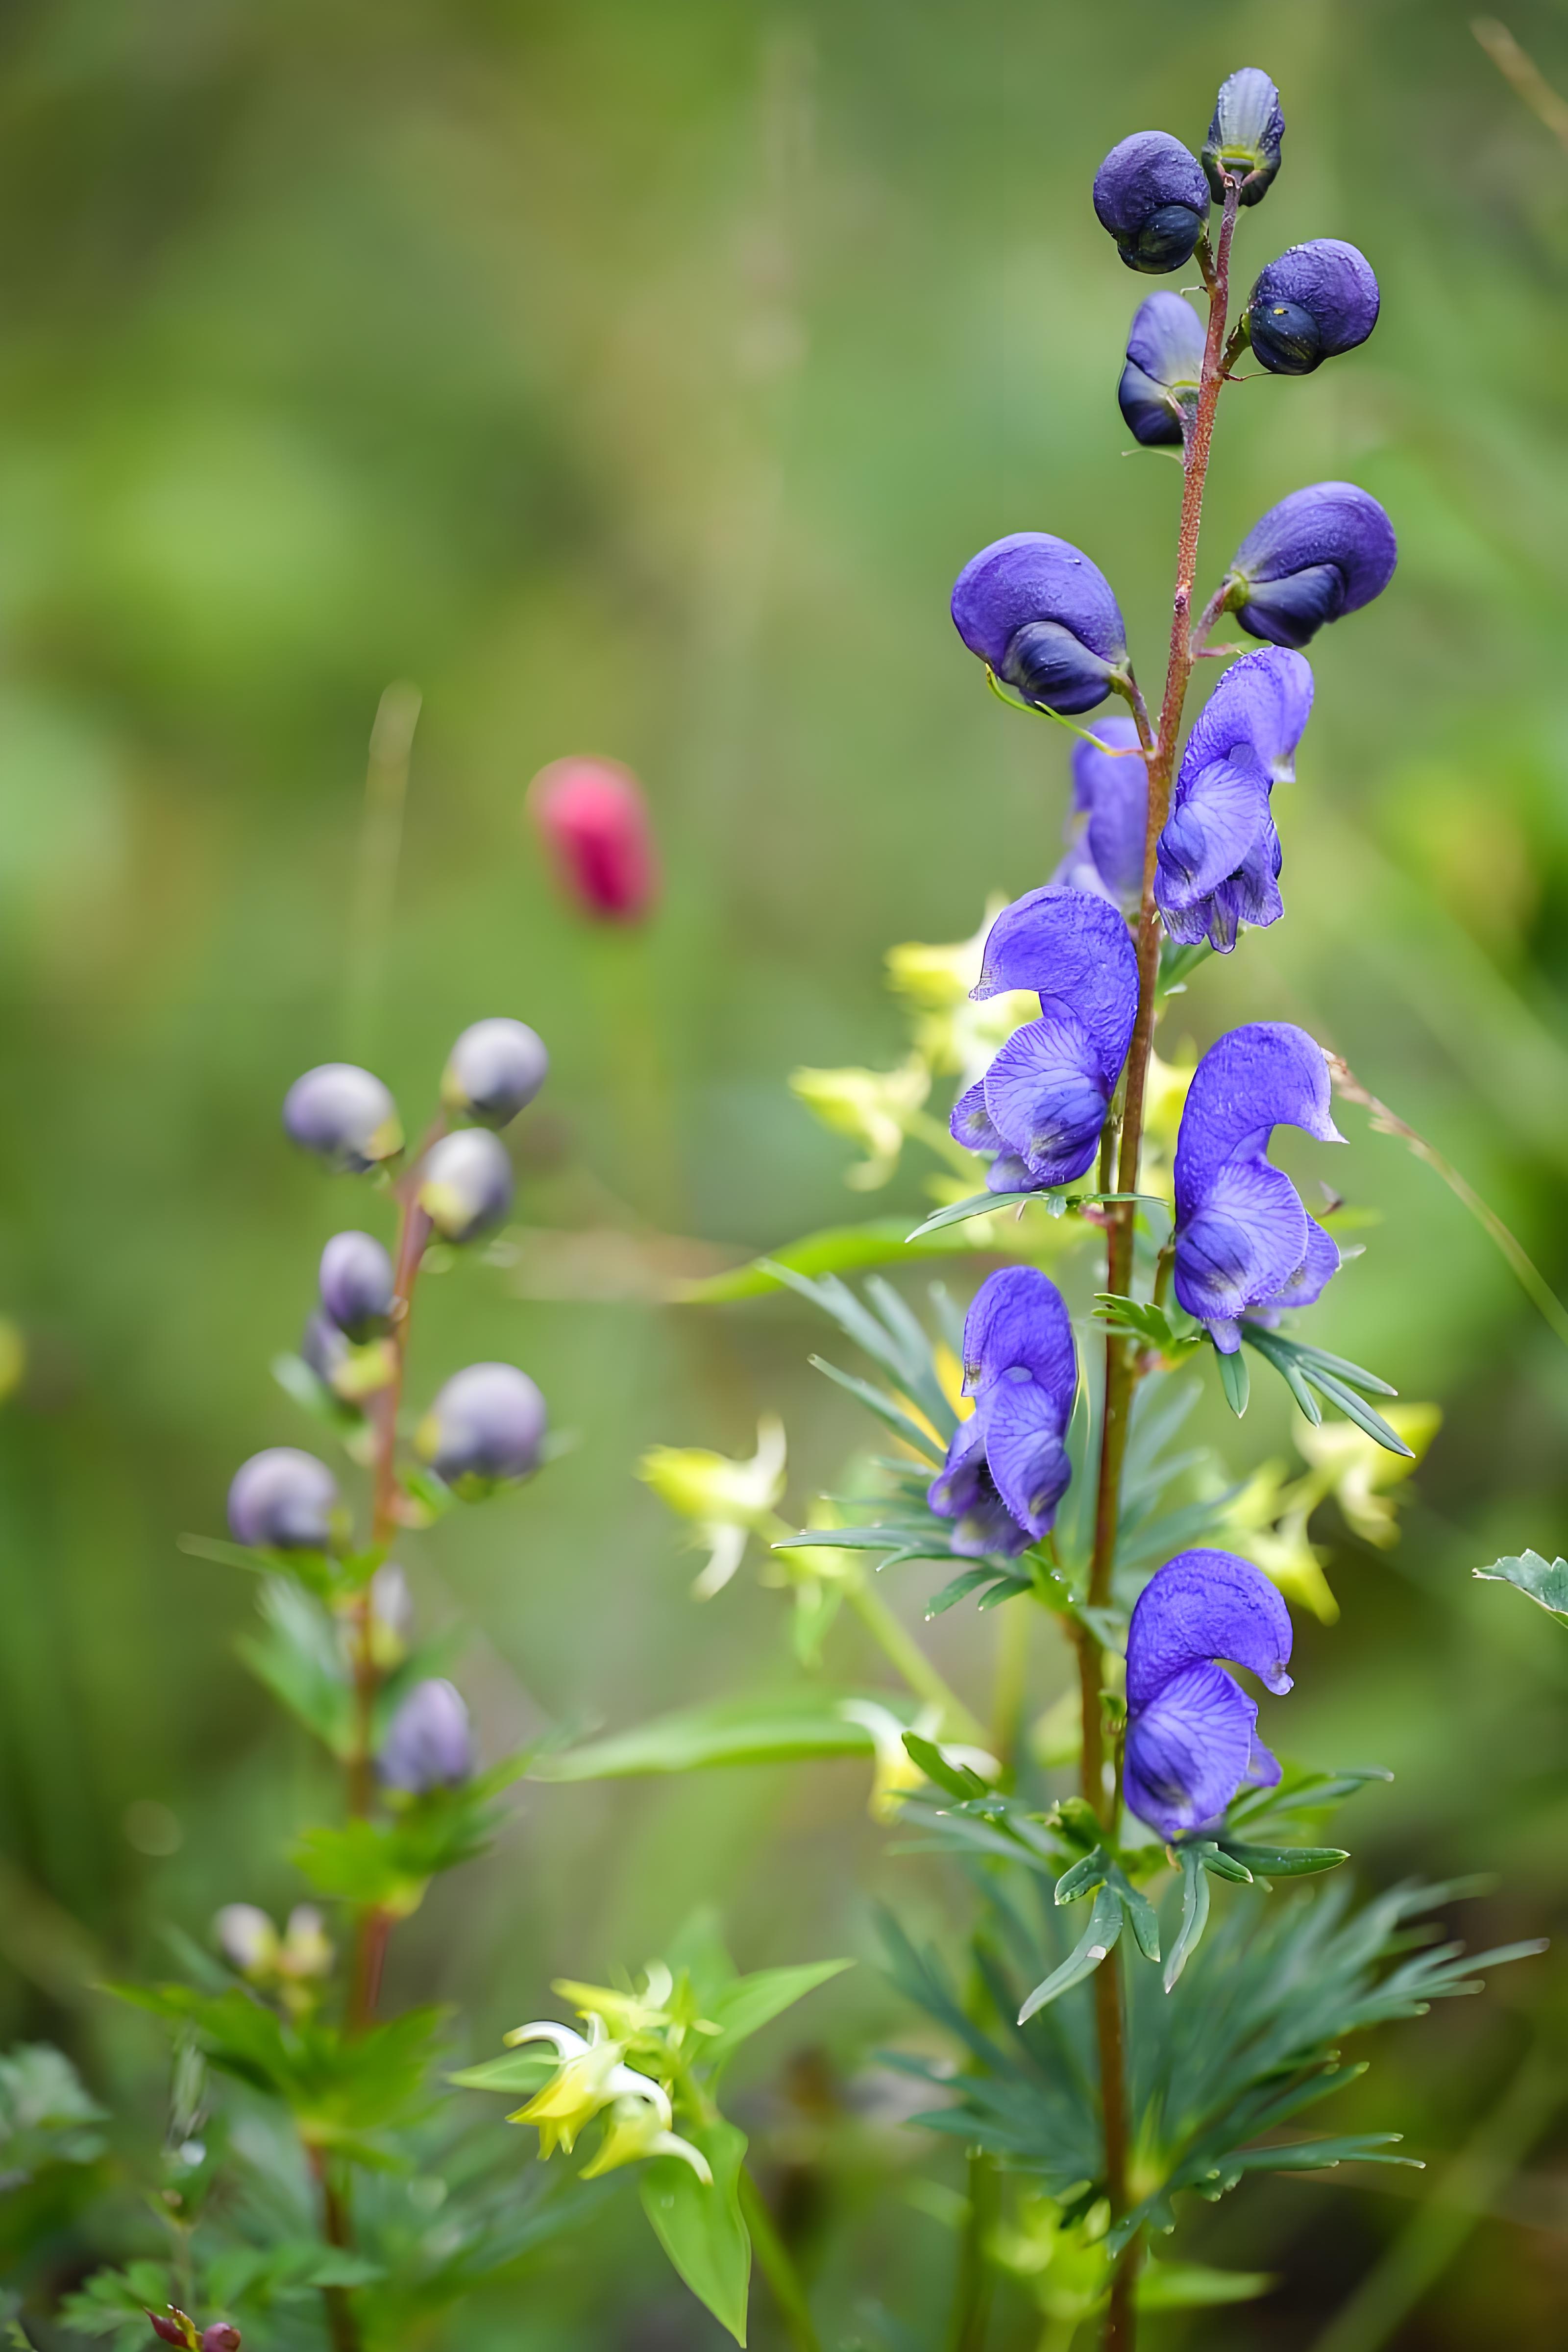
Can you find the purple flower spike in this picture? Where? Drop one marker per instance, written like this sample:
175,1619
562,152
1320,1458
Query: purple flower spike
345,1114
283,1500
356,1284
1159,386
487,1424
1218,859
1041,1104
1315,301
1244,1242
429,1743
1319,554
1191,1741
1110,813
1008,1467
1151,195
1041,615
1245,136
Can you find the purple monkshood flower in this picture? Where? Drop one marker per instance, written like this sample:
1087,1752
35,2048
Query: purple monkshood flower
1151,195
1007,1467
283,1500
1244,136
345,1115
1315,301
487,1424
1319,554
1218,858
430,1742
493,1071
356,1284
1190,1736
1041,1106
1243,1244
1159,386
1041,615
1110,815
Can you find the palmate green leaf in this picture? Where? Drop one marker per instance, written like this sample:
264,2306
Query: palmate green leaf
1098,1940
845,1249
883,1325
1545,1581
700,2227
1344,1384
748,2004
1086,1876
919,1440
758,1731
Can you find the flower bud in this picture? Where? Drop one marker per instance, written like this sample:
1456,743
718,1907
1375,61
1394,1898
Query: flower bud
356,1283
465,1184
1041,615
1315,301
345,1114
326,1349
486,1424
175,2329
593,819
429,1743
1244,136
220,2338
246,1939
1319,554
390,1616
1159,386
305,1951
283,1500
1151,195
494,1070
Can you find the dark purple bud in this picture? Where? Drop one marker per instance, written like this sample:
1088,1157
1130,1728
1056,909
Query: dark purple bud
220,2338
1244,136
357,1285
494,1071
345,1114
283,1500
1319,554
1151,195
1041,615
465,1184
487,1424
429,1743
1159,386
1315,301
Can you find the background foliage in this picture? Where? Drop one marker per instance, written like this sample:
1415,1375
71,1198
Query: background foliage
634,379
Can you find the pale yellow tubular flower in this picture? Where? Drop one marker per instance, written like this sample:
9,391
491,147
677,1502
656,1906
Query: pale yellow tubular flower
871,1106
625,2013
590,2075
634,2132
727,1501
895,1774
1267,1523
1359,1473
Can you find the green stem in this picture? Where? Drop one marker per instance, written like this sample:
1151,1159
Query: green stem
774,2263
901,1648
973,2287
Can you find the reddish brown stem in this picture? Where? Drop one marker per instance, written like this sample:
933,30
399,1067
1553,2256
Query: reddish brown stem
342,2327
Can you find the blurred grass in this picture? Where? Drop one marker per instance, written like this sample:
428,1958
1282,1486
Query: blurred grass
635,380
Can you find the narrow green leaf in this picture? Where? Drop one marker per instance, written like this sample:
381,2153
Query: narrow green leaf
1284,1363
762,1731
1098,1940
1223,1865
700,2227
1194,2286
1285,1861
1232,1379
744,2007
1356,1374
1544,1581
960,1587
1194,1913
896,1419
519,2074
836,1249
1084,1877
1141,1915
956,1778
1356,1409
957,1213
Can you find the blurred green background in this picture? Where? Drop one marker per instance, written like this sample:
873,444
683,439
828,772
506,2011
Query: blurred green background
632,376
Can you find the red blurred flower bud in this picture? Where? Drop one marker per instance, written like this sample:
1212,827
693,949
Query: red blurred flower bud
593,817
175,2329
220,2338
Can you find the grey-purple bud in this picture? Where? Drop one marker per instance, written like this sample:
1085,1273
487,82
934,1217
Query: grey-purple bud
283,1500
465,1184
429,1743
356,1283
345,1115
493,1071
487,1424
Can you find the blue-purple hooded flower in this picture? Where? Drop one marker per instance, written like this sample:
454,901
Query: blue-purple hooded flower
1007,1467
1190,1736
1110,815
1218,859
1151,195
1041,615
1243,1244
1315,301
1244,136
1159,386
1041,1104
1319,554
